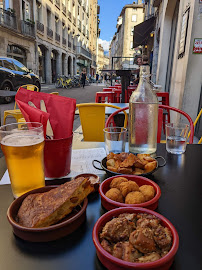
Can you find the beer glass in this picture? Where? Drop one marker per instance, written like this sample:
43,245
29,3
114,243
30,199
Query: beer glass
22,145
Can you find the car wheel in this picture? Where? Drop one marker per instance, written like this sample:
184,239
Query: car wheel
7,87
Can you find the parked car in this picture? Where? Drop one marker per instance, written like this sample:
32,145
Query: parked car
13,74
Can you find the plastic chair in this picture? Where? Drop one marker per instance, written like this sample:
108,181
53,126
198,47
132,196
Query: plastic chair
165,101
54,93
92,117
160,121
195,122
117,97
102,97
16,113
107,89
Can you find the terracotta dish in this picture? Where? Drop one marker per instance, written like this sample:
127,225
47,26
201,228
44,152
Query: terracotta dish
66,226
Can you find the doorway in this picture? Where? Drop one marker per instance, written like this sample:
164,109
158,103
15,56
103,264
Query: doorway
53,66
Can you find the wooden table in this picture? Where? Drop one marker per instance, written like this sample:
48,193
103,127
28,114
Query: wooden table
180,202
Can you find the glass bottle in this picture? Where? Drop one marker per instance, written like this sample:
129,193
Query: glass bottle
143,116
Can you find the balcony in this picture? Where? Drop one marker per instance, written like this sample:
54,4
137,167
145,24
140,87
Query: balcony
84,30
64,41
80,2
57,37
64,9
69,16
57,3
79,25
40,27
49,33
8,19
69,45
83,52
28,28
74,21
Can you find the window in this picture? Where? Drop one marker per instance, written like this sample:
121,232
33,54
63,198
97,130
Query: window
134,18
48,18
39,11
25,10
63,29
9,64
132,30
83,16
56,24
1,63
19,66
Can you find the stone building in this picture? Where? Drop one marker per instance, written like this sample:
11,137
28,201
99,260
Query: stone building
17,31
122,43
177,57
100,60
51,37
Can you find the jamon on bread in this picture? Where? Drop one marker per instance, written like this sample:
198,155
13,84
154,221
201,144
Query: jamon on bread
44,209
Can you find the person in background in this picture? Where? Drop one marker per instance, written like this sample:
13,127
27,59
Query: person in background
83,77
139,63
97,77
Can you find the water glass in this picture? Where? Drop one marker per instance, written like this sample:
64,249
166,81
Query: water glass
176,138
115,139
23,145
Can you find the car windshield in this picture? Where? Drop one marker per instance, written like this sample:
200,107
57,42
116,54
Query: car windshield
19,66
9,64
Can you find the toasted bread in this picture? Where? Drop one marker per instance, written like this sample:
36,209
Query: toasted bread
44,209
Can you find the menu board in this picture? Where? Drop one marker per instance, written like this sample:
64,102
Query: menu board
183,35
197,48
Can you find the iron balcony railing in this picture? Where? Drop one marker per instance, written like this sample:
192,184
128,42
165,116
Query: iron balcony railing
64,41
40,27
64,9
49,33
74,47
84,52
57,37
74,21
27,28
8,19
69,45
69,15
79,25
57,3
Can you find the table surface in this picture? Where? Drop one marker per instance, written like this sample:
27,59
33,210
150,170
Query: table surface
180,202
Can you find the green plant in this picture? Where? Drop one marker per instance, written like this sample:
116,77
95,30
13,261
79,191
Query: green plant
11,10
30,21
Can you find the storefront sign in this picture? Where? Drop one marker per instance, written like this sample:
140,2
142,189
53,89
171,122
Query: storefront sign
183,35
197,48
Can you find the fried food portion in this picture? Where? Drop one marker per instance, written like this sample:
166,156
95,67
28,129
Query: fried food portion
142,239
148,192
134,197
126,163
147,242
126,251
115,183
117,229
115,195
127,187
44,209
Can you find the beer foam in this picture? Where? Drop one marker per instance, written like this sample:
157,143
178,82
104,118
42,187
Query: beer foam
17,139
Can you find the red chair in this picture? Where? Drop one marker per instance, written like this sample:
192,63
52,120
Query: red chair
164,101
102,97
160,117
117,97
107,89
128,93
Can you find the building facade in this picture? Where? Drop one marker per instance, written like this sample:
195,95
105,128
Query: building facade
17,31
176,65
121,47
51,37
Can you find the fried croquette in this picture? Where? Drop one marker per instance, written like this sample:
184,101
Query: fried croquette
127,187
115,183
134,197
115,195
148,192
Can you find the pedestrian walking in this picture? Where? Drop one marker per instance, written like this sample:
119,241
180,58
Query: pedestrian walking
83,77
97,77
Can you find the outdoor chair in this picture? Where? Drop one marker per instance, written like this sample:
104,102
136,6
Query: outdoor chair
102,97
161,107
92,117
16,113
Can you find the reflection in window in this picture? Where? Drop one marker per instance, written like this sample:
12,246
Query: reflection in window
8,64
25,10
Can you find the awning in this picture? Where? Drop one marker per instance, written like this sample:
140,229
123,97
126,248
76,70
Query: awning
142,31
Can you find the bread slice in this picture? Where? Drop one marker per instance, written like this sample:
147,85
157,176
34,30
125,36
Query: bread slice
44,209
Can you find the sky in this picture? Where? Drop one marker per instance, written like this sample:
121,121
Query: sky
109,12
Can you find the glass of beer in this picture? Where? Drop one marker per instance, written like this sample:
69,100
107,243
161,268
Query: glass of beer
23,145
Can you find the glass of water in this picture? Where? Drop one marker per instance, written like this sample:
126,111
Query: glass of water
115,139
176,138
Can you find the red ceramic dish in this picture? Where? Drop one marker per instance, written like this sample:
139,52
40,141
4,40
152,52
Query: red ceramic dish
50,233
113,263
140,180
